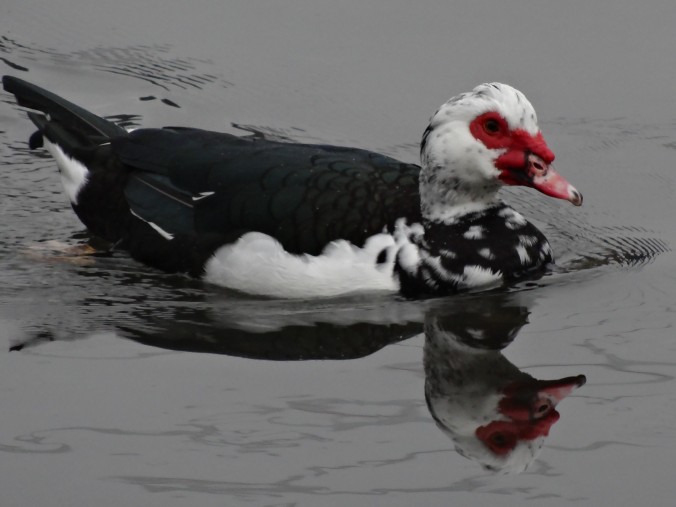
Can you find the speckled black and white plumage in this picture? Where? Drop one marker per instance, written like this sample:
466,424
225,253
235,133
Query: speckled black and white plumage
298,220
480,249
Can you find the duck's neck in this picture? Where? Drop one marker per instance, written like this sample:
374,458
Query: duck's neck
444,197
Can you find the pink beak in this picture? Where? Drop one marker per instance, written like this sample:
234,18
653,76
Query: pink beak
545,179
527,162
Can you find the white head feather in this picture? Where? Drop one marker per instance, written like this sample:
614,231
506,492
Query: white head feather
458,171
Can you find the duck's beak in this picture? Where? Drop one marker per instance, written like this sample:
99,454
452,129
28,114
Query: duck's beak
521,166
542,176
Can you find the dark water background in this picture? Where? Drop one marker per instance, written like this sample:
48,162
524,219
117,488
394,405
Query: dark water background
120,385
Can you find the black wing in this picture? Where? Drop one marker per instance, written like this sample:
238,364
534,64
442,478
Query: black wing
189,181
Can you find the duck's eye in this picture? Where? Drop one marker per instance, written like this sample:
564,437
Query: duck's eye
499,439
491,126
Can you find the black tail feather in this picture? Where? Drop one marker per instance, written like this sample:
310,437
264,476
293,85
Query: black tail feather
70,118
40,121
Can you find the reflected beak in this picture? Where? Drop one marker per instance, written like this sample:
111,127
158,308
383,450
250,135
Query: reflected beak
535,399
556,390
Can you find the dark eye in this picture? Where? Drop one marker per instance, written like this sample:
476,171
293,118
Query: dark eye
491,126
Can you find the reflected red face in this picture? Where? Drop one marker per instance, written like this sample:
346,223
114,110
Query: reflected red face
526,159
501,437
530,412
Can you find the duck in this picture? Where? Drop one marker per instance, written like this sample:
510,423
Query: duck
291,220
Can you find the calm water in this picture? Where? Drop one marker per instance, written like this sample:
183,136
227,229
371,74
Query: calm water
120,385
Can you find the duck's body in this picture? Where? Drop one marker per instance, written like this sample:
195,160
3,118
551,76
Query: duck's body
297,220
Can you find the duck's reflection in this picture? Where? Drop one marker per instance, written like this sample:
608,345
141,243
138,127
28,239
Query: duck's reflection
279,330
495,413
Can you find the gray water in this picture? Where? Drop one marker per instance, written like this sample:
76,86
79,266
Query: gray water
120,385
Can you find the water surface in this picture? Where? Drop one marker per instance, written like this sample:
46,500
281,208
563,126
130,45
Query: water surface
123,385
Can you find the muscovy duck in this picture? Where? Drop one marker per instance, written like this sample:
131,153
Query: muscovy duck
300,220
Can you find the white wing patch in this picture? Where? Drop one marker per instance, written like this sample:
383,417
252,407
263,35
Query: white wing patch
202,195
161,232
73,173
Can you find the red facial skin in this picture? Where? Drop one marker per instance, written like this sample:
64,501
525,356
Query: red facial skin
527,159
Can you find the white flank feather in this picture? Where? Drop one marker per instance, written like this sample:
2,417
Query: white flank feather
257,264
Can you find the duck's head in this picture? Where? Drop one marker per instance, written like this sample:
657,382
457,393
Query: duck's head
477,142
